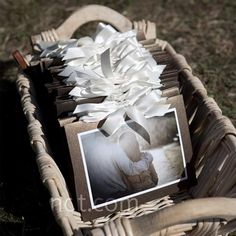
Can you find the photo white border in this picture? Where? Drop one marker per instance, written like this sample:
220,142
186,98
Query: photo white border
134,194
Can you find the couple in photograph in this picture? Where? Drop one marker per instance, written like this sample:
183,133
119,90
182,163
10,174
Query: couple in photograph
124,174
140,173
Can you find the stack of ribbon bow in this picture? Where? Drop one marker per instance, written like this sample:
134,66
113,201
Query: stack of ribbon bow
110,76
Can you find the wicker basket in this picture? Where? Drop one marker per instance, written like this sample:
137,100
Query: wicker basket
209,208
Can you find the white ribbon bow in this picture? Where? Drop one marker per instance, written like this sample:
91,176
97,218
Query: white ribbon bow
116,66
138,110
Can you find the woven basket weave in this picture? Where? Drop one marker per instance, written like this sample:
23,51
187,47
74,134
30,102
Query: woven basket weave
209,208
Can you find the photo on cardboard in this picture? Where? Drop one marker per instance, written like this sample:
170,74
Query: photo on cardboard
113,169
125,165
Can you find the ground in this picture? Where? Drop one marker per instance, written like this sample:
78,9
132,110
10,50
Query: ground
203,31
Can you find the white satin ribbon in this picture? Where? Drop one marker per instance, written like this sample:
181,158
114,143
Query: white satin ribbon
138,109
116,66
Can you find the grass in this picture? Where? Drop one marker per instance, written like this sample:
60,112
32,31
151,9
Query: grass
6,217
203,31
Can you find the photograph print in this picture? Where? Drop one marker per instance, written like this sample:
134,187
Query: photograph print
125,165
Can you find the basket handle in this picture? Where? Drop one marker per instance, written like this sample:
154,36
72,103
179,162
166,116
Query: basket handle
188,211
92,13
